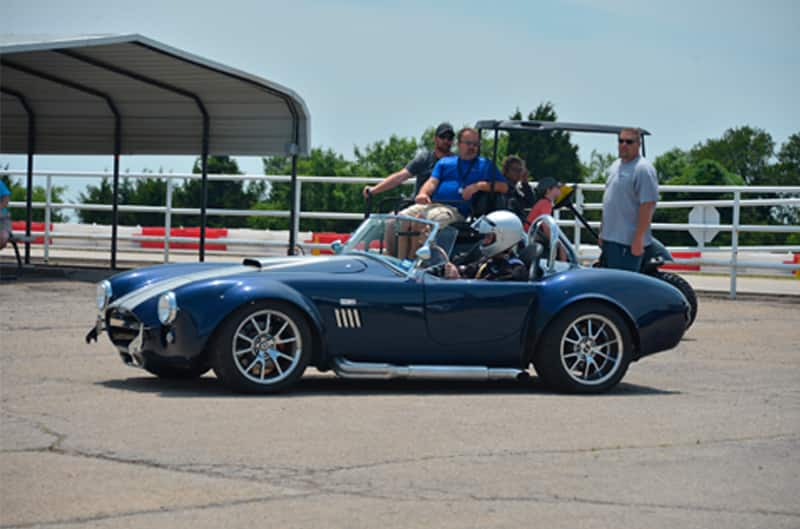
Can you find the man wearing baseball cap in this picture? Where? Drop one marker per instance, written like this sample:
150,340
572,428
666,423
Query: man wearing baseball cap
422,164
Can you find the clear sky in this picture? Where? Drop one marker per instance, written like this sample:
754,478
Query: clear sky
685,70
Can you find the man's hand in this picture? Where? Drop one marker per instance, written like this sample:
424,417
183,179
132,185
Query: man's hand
422,198
470,190
599,241
451,271
368,190
637,246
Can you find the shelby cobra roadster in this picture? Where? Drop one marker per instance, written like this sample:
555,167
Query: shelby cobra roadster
363,312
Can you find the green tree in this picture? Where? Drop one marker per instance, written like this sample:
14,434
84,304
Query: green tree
703,172
385,157
314,197
671,164
746,151
787,173
546,154
19,194
221,194
132,191
596,172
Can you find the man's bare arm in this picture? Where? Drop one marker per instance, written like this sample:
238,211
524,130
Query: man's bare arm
390,182
427,191
643,221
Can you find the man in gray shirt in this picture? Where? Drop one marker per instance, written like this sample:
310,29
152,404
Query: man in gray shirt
629,201
422,164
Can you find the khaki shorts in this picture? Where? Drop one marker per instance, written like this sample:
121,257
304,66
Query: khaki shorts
441,213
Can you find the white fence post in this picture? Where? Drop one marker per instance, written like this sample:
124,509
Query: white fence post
48,199
167,219
735,242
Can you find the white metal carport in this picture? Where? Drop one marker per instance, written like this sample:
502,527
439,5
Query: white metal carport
132,95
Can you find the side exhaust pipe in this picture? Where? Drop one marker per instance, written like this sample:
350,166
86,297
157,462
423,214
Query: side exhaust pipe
347,369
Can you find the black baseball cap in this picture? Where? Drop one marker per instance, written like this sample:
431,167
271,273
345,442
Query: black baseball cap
546,183
444,128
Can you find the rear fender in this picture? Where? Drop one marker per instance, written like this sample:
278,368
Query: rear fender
539,327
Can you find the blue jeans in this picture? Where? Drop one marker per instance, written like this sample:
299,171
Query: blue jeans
619,256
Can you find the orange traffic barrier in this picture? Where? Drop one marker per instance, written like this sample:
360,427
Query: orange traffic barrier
796,260
18,226
326,237
683,255
158,231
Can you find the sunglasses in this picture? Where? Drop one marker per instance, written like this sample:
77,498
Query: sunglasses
470,143
448,137
626,141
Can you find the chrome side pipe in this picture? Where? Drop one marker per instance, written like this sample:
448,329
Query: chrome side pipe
346,369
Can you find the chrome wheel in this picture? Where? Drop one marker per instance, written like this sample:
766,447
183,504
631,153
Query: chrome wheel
267,347
592,349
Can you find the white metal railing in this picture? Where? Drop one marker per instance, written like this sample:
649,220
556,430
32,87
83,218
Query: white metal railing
735,228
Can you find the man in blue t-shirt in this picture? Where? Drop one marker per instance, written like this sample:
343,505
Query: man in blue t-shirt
445,196
5,216
455,180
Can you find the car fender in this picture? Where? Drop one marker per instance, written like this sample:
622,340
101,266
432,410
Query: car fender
211,302
546,316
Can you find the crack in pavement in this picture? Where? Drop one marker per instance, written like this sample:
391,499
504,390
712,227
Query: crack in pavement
309,481
163,510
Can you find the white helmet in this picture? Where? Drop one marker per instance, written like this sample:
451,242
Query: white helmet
501,230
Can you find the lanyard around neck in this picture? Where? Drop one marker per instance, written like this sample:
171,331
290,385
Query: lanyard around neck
462,177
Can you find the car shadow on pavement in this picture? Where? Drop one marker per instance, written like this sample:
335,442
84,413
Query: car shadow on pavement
318,385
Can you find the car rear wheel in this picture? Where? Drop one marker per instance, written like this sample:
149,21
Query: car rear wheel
585,349
262,347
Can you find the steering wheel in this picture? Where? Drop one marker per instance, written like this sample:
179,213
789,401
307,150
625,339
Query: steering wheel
438,269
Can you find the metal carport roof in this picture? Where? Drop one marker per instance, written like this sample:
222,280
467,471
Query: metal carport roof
133,95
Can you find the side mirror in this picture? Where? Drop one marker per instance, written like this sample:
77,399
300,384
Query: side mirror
424,253
337,246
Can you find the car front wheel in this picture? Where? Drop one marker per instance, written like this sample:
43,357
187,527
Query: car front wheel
585,349
262,347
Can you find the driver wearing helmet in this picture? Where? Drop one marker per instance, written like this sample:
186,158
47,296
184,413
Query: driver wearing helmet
502,231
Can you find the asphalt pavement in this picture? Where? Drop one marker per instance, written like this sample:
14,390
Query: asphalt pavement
705,435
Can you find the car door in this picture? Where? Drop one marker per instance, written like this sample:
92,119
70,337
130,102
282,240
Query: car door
375,319
477,319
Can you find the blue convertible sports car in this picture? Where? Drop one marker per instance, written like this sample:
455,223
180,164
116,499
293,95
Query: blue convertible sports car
365,313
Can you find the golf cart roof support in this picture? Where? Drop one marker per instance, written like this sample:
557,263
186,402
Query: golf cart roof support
514,125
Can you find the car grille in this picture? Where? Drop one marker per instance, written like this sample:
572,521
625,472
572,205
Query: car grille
122,327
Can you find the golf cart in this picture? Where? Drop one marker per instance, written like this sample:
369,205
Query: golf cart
655,254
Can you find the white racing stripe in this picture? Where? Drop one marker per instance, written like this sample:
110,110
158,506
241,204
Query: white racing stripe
131,300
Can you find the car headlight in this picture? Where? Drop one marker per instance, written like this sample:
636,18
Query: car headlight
167,308
103,294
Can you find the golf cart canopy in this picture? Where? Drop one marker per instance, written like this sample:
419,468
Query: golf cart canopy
547,126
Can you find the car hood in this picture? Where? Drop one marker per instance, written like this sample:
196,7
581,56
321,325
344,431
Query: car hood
133,287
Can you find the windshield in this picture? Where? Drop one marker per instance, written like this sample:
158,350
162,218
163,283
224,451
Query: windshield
396,239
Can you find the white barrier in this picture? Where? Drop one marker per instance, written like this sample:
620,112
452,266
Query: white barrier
735,228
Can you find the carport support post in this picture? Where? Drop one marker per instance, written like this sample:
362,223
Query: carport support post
294,213
29,190
737,195
31,148
204,204
115,200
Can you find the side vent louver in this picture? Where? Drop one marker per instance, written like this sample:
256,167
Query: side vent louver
347,318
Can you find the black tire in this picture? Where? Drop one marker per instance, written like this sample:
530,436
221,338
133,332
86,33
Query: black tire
170,372
565,355
262,347
686,289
